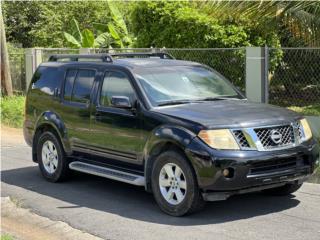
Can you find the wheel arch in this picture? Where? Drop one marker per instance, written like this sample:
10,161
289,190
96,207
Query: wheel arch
50,121
162,139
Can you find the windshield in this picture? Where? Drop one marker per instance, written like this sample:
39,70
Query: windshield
184,83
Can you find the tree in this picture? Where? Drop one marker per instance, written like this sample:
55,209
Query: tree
181,25
114,33
297,22
6,84
43,23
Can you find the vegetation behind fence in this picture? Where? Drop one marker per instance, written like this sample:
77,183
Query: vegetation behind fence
296,78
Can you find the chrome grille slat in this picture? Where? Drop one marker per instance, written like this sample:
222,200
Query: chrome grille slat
242,141
260,138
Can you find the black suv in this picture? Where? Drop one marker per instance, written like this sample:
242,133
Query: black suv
178,128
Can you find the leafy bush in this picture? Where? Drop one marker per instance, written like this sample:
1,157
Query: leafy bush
179,25
12,111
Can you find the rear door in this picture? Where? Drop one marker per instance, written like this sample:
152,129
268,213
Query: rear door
75,105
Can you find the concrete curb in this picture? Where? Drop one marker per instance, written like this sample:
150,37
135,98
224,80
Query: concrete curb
25,225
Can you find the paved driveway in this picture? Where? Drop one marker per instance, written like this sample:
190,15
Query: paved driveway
114,210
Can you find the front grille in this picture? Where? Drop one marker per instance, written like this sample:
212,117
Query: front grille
269,138
285,135
273,165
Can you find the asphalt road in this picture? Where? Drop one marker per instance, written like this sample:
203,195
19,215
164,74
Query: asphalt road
114,210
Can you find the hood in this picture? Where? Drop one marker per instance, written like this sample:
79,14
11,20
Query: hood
230,114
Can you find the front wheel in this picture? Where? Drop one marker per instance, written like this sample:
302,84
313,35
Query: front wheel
284,190
174,185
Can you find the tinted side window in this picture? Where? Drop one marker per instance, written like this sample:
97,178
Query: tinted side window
70,76
46,79
115,84
82,86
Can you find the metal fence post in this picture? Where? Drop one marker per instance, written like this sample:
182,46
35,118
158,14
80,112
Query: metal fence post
256,72
30,65
33,58
266,74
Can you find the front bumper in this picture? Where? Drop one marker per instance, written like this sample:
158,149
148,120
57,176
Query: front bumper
252,170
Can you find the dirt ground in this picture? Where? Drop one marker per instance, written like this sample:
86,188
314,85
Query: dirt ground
11,136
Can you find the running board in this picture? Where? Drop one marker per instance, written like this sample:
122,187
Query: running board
108,173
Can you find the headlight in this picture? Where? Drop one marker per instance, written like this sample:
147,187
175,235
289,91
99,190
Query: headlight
306,129
219,139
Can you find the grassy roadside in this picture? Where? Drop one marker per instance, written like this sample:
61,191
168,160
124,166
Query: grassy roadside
12,111
6,237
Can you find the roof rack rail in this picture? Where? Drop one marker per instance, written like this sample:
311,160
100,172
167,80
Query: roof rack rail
75,57
108,57
142,55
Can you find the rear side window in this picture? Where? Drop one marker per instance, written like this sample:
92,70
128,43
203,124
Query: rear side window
70,76
46,79
78,84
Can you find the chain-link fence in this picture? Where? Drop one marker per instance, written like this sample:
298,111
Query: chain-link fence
17,71
294,76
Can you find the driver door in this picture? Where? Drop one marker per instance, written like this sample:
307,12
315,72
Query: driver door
116,132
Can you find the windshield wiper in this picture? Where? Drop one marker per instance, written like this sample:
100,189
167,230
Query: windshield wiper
175,102
219,98
184,101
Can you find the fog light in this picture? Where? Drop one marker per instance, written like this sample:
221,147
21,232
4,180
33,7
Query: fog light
228,172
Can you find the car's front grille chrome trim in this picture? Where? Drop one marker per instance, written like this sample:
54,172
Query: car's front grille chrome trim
261,138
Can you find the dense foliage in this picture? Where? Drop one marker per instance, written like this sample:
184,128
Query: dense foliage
170,24
42,24
180,25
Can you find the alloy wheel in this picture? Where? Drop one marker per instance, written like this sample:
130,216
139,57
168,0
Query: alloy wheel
49,156
172,182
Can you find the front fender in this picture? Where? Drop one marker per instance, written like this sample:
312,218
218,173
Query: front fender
160,136
53,119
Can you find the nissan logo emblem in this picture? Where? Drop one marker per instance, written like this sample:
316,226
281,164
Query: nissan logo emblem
276,136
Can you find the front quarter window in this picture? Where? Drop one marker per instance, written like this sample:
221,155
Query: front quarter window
177,83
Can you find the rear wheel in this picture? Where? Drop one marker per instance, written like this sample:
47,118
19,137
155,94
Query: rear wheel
174,185
51,157
284,190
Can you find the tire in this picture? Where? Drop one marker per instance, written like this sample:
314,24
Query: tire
186,184
58,169
283,190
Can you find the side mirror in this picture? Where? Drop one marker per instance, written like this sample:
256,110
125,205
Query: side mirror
121,102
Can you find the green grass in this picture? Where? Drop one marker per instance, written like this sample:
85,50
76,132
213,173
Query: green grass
12,111
307,110
6,237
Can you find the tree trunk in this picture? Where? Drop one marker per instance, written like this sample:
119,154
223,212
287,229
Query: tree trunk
6,84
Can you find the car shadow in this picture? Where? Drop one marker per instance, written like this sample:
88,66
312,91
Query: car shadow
133,202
